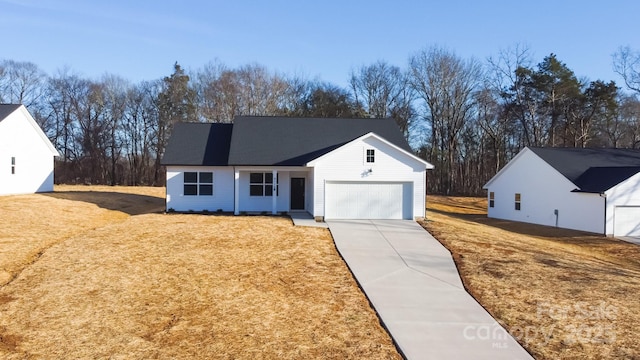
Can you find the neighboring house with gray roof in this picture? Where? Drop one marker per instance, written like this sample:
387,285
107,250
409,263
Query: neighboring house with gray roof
26,154
331,168
595,190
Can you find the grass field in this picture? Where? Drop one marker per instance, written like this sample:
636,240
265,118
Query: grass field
101,272
563,294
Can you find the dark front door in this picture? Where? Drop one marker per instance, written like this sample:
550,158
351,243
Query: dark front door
297,193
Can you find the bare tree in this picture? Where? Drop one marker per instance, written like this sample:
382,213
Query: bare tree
206,85
626,63
139,130
115,91
21,82
382,91
445,83
248,90
62,93
623,129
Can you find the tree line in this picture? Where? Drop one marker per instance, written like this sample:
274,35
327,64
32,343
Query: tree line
467,117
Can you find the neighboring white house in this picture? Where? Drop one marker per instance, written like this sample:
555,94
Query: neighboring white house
26,154
330,168
595,190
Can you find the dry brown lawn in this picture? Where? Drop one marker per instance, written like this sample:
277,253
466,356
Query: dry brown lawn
100,272
563,294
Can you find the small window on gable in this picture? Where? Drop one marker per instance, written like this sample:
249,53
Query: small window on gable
371,155
518,201
198,183
13,165
492,198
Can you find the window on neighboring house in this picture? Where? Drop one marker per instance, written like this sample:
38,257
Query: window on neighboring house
261,184
371,155
492,198
198,183
13,165
517,201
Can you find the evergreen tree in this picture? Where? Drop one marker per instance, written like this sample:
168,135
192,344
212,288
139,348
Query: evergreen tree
176,103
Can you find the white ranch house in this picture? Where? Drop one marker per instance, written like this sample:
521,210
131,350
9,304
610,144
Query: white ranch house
26,154
330,168
594,190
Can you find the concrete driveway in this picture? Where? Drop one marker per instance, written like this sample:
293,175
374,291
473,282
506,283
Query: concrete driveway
413,284
631,239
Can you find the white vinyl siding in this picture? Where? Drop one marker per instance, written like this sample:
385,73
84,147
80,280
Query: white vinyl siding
540,198
221,197
26,156
391,165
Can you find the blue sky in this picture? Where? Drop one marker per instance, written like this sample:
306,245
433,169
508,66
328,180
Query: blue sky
140,40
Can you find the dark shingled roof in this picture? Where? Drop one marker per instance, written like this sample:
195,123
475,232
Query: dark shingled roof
198,144
592,170
7,109
270,141
599,179
295,141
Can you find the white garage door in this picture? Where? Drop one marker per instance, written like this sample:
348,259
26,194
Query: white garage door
626,221
368,200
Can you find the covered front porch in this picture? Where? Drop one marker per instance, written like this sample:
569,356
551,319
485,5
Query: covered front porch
272,189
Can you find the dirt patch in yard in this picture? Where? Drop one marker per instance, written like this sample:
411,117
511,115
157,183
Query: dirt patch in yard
185,286
126,199
563,294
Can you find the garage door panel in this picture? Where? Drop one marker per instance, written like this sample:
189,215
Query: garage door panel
626,221
367,200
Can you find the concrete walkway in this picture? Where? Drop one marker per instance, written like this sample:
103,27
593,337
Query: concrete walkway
303,218
413,284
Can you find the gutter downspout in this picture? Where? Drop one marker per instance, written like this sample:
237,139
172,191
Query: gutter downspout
236,195
274,192
603,195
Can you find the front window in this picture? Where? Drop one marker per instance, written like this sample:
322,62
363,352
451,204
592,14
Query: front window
518,202
205,185
13,165
371,155
261,184
198,183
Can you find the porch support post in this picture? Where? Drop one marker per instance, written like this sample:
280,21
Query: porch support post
274,197
236,191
